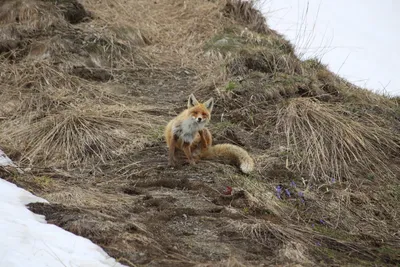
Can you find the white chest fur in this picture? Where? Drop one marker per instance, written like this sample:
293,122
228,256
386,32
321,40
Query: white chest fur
187,129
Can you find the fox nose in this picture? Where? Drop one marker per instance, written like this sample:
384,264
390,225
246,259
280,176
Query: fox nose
198,119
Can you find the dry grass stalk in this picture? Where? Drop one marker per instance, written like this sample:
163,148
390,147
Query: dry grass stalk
246,13
74,138
325,142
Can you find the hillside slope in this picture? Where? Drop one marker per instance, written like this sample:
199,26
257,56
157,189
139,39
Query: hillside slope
87,88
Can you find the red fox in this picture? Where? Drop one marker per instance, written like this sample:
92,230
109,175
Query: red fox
188,133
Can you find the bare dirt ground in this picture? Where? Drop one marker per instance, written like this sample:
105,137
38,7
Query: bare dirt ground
88,86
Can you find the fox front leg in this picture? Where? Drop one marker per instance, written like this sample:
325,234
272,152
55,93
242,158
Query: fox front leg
171,152
206,139
188,153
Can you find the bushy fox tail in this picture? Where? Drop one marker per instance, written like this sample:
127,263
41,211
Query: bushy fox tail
234,154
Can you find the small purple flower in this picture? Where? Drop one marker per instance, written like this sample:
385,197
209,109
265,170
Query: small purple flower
318,244
293,184
322,221
287,192
301,195
333,180
278,191
312,225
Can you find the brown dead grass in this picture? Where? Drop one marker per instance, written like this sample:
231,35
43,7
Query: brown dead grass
56,137
330,128
231,262
55,107
72,137
327,142
245,13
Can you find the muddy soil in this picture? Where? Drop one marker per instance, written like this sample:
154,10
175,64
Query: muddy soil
159,216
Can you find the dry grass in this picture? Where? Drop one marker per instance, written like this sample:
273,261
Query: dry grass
330,128
75,137
291,242
51,87
231,262
245,13
29,14
327,142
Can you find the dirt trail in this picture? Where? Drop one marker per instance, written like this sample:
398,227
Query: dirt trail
149,214
158,216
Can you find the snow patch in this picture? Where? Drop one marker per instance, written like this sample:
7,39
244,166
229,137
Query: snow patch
27,240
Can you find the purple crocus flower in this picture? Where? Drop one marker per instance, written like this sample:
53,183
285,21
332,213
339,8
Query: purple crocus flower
301,195
287,192
278,191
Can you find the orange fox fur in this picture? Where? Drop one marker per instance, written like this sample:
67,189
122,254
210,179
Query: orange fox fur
188,133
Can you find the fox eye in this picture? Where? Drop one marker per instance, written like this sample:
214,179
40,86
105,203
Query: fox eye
204,114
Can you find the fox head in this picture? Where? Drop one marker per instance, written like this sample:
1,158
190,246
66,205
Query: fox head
200,112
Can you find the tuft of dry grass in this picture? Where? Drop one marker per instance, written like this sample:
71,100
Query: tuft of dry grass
326,142
244,12
267,61
29,14
74,137
231,262
285,240
54,69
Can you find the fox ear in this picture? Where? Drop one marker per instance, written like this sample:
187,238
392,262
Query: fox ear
209,104
192,101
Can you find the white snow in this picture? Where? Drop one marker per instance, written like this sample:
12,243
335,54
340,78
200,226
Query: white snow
6,161
27,240
357,39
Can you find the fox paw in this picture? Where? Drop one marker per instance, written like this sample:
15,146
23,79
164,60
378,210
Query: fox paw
172,162
191,161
